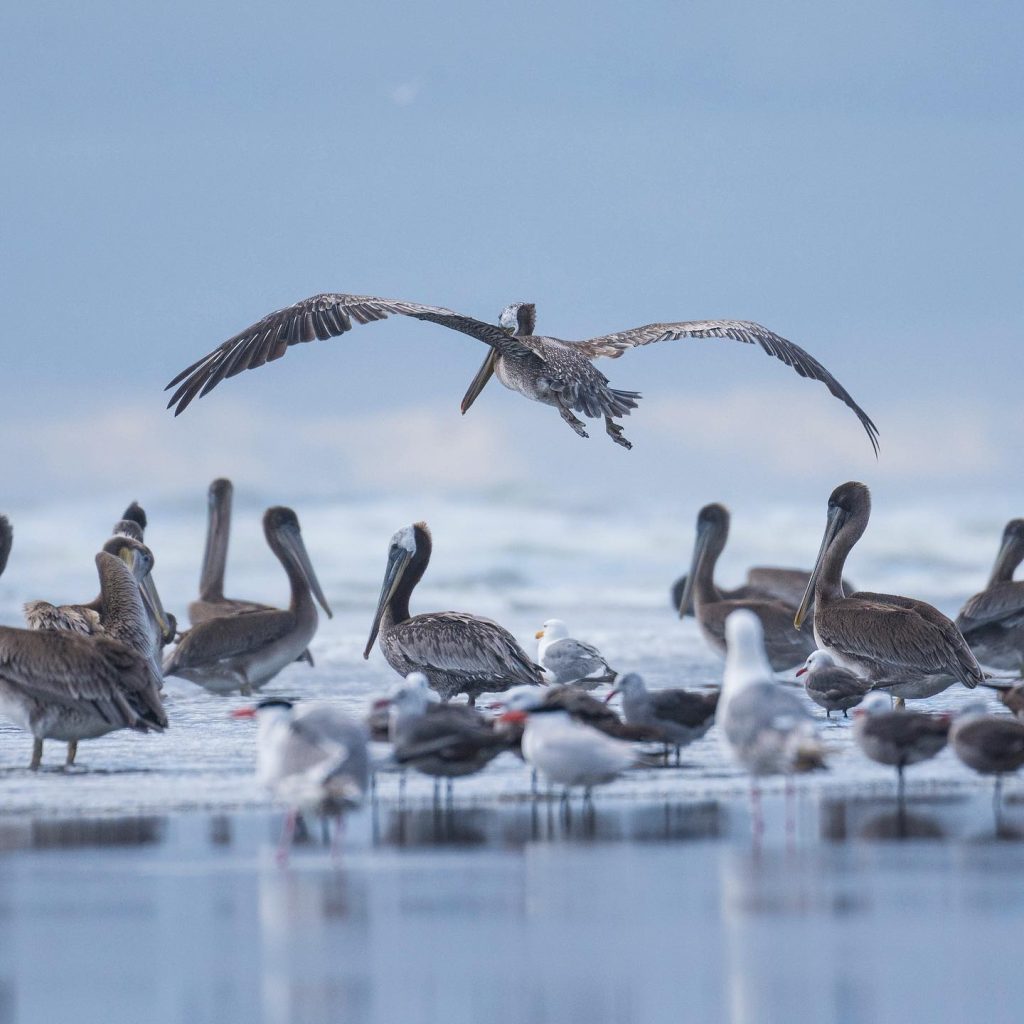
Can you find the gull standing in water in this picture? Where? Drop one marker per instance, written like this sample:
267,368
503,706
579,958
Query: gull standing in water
992,622
831,687
898,738
566,660
989,744
678,717
902,645
548,370
312,757
456,651
564,751
244,652
785,646
63,686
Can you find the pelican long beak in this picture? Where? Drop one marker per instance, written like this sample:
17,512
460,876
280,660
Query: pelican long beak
832,526
398,559
700,546
150,595
483,375
292,540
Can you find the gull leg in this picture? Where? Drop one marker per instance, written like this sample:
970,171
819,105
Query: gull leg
287,834
37,755
615,433
72,751
576,424
997,804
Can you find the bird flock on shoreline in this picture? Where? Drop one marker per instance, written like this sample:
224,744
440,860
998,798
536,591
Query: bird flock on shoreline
81,671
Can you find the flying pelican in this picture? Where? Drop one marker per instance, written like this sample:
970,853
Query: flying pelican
64,686
456,651
548,370
785,645
905,646
831,687
244,652
992,622
566,660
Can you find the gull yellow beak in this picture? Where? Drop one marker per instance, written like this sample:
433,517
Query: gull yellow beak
539,634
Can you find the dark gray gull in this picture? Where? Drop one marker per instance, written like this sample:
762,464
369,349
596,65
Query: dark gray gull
830,686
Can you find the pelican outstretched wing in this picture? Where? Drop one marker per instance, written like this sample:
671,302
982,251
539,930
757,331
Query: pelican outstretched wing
319,317
750,333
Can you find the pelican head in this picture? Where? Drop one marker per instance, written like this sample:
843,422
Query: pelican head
281,528
410,546
140,560
6,540
712,533
848,503
1011,552
519,318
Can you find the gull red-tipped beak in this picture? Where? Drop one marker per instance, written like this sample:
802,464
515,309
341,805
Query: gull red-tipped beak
513,716
801,672
249,712
612,693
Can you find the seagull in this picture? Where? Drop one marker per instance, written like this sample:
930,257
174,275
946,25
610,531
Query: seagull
989,744
442,740
678,717
830,686
897,643
244,652
456,651
548,370
564,751
765,728
898,738
992,622
311,756
566,660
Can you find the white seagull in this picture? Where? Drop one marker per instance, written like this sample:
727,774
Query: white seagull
566,660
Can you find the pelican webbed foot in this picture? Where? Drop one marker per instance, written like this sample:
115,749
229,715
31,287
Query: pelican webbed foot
37,755
615,433
574,422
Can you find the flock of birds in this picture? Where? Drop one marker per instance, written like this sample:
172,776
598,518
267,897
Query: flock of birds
81,671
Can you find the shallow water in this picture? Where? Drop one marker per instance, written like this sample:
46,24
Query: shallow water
143,886
644,911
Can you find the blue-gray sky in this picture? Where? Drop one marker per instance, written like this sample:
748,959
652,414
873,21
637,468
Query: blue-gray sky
847,174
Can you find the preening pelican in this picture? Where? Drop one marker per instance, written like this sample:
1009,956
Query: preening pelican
548,370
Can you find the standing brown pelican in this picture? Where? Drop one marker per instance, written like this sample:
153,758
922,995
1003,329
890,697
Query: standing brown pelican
773,582
63,686
548,370
992,622
785,645
456,651
244,652
94,617
905,646
211,603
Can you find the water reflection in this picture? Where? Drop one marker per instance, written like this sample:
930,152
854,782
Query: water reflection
640,911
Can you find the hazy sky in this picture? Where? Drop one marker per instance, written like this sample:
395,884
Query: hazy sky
847,174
